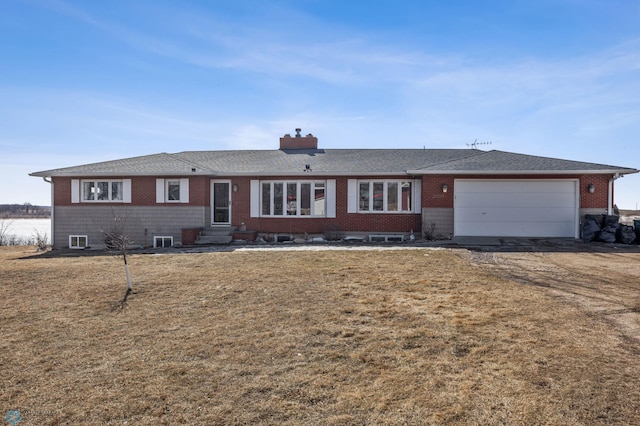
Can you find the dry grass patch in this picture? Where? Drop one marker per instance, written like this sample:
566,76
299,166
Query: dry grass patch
331,337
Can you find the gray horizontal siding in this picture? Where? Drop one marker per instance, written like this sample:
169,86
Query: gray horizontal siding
140,223
440,216
584,212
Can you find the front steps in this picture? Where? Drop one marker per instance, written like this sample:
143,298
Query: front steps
215,235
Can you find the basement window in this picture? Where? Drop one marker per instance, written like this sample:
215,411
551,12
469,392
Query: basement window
78,241
162,241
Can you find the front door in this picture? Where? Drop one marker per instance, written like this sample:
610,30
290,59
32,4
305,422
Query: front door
220,202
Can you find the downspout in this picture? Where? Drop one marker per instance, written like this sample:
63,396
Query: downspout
50,182
610,194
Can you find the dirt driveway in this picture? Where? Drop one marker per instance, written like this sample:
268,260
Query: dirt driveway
605,284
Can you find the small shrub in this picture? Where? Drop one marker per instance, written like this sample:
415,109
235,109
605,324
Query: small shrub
4,232
40,240
14,240
430,232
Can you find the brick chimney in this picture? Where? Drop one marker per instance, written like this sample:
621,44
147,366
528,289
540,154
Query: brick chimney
299,141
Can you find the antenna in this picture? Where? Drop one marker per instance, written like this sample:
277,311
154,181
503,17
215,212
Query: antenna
475,144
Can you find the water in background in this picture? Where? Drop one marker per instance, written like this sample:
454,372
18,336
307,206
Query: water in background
25,229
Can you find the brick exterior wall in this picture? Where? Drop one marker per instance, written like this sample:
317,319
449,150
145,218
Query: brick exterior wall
190,235
143,191
345,222
171,218
432,195
240,204
199,188
599,198
61,191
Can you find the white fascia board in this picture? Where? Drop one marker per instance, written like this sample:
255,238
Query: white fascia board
313,174
524,172
344,173
118,174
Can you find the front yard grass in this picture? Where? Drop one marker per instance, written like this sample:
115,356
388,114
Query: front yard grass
276,337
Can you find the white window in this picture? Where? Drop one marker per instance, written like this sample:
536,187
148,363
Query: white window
162,241
293,198
103,191
78,241
384,196
172,190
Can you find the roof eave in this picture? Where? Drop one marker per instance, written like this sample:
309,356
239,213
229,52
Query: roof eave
344,173
216,174
524,172
115,173
311,173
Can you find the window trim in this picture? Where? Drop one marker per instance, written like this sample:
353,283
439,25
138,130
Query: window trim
162,190
354,188
96,183
314,185
78,237
167,184
162,237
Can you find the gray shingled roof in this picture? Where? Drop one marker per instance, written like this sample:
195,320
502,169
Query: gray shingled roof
333,162
509,162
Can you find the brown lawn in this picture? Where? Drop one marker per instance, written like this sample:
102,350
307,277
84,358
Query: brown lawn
316,337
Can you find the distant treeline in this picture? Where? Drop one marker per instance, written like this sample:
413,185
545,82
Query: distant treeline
23,211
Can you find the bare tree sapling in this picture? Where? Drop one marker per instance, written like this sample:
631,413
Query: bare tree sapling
119,241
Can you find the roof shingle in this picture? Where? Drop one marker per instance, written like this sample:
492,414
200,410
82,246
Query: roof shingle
332,162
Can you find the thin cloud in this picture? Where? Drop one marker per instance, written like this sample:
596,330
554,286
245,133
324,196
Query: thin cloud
205,41
604,78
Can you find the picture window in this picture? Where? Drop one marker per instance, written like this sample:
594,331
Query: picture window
293,198
102,191
392,196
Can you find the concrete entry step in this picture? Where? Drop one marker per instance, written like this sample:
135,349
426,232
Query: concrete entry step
213,239
215,235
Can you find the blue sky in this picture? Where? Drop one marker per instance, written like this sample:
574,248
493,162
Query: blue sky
88,81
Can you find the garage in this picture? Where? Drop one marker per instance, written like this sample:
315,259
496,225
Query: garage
516,208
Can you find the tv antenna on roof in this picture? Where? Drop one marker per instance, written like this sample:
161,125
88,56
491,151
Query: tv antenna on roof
475,144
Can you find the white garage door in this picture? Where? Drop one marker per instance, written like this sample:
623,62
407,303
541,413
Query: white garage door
516,208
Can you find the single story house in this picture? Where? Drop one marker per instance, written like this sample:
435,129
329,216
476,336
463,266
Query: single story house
166,199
